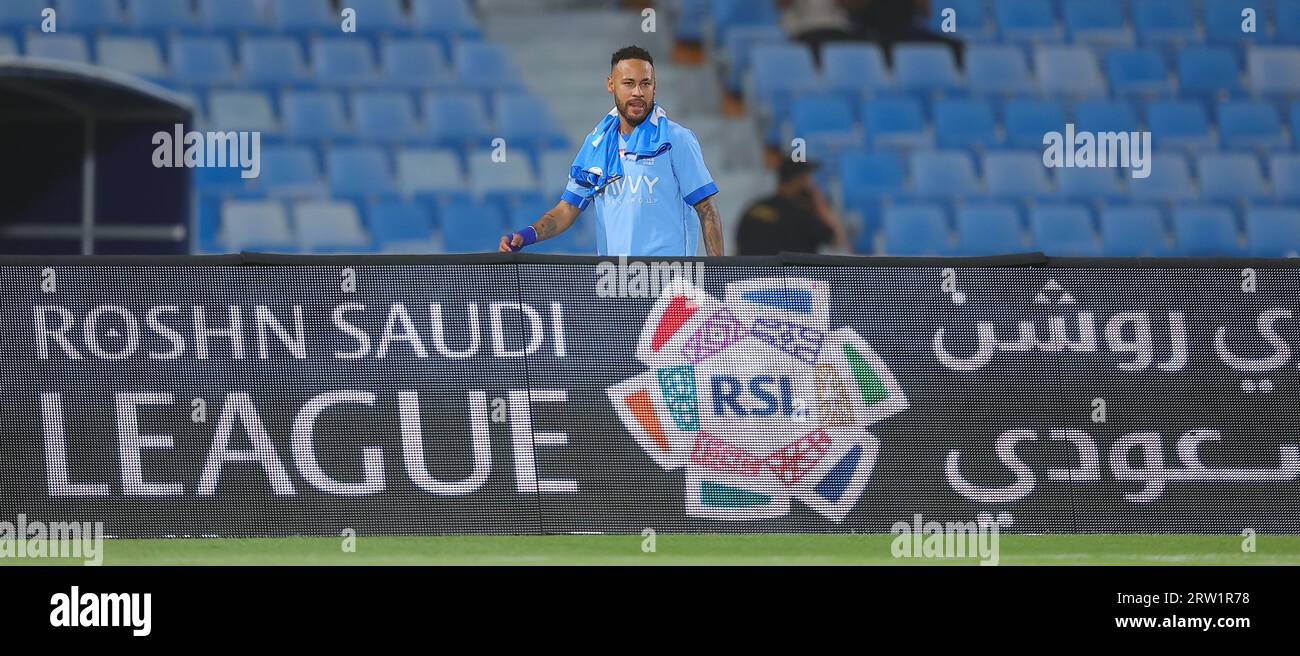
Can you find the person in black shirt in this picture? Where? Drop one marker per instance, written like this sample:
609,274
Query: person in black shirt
796,219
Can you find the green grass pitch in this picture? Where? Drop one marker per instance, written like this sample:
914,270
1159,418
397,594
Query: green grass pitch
682,549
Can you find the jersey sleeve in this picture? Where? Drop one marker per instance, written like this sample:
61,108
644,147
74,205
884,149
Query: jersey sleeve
577,195
693,177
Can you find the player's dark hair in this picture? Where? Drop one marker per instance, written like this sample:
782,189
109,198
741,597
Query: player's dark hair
631,52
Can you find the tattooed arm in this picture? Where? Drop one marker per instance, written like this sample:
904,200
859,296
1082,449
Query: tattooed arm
711,225
553,222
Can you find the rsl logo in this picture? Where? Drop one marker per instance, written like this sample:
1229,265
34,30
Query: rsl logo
757,399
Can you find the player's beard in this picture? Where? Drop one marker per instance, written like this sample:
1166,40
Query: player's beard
635,121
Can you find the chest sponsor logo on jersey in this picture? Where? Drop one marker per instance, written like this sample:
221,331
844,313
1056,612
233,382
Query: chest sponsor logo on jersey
632,189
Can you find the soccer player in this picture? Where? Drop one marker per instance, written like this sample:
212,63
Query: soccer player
643,173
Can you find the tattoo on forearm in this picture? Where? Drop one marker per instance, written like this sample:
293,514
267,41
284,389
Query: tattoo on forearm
711,225
548,226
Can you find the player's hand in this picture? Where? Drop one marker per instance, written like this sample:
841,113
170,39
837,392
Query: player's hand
511,243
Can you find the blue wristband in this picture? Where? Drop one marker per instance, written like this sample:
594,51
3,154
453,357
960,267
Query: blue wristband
529,236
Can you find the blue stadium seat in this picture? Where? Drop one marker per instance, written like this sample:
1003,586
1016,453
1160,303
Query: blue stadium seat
998,69
917,229
64,47
1097,23
1231,176
444,18
273,61
255,226
1105,116
470,226
1139,72
965,123
1133,231
781,70
1069,71
1209,73
18,15
820,115
430,173
1294,110
1285,173
525,120
1160,22
414,63
89,15
359,171
1223,22
972,20
925,67
1026,20
1027,121
314,115
484,67
868,176
1287,21
942,173
501,181
1170,179
855,69
330,226
232,16
738,44
304,17
1063,230
989,229
1179,124
342,62
553,169
1016,174
692,16
730,14
290,171
1274,70
1250,124
136,55
895,122
380,17
456,120
400,226
1090,184
160,16
243,109
384,116
1201,230
1273,231
201,60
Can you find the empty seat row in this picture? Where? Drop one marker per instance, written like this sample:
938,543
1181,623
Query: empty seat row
279,61
1069,230
435,17
1122,22
451,119
788,69
372,172
867,178
392,226
1023,123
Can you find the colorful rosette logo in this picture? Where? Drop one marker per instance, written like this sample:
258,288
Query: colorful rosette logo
758,399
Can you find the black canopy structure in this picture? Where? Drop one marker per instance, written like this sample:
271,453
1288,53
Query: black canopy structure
78,173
